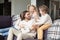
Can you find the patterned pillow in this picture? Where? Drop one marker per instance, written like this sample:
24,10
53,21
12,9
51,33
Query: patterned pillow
15,18
54,31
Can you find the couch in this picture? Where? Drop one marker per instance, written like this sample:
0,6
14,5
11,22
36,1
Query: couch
5,24
53,33
5,21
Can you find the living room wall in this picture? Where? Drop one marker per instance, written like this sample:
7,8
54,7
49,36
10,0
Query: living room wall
18,6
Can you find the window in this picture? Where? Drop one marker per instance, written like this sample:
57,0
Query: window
54,11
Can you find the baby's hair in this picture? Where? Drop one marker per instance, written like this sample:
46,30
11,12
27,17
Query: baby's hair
43,8
35,8
22,15
28,6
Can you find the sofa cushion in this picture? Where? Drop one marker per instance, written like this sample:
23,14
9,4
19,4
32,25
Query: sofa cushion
54,31
5,21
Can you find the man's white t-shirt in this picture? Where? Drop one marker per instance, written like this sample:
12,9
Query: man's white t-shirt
16,24
27,25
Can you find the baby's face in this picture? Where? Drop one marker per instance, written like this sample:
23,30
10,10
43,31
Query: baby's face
31,9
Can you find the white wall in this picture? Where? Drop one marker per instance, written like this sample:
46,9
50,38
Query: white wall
18,6
33,2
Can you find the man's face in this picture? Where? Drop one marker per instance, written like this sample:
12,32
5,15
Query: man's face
27,15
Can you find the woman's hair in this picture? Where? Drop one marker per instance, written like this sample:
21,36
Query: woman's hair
44,8
22,15
28,6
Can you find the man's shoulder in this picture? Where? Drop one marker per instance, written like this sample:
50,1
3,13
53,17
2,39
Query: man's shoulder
23,21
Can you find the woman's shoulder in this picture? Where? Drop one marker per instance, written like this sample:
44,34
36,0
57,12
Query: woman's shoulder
22,20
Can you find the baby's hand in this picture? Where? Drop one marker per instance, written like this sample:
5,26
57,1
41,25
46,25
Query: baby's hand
22,26
33,27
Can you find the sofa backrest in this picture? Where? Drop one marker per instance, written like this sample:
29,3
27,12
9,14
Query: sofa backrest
5,21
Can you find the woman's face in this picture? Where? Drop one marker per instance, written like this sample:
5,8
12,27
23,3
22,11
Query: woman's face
31,9
27,15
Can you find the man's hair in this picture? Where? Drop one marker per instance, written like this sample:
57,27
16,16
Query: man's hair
22,15
44,8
